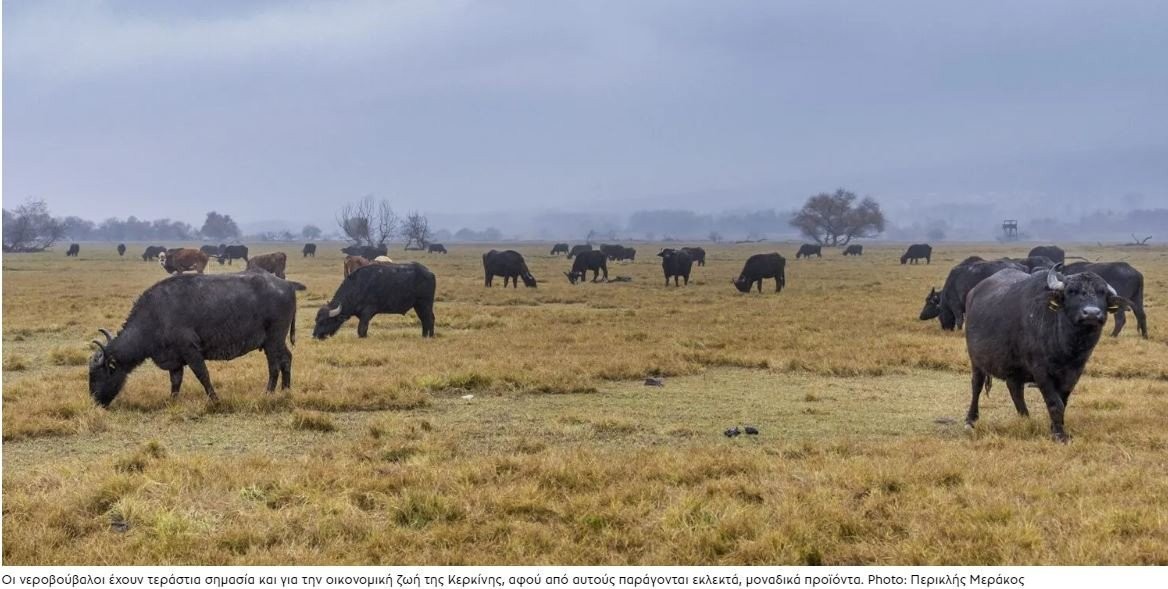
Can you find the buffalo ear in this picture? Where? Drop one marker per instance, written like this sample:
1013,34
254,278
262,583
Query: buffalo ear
1116,303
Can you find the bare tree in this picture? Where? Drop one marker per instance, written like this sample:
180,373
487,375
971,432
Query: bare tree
368,222
416,230
30,228
836,219
1138,241
714,236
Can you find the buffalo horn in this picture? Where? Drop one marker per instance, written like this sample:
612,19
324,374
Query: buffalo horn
335,312
1053,281
108,338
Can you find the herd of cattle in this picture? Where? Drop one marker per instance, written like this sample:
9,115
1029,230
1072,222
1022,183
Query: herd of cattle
1032,320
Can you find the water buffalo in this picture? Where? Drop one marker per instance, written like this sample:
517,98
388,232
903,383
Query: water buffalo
152,252
854,250
436,248
508,264
676,263
948,305
622,253
578,249
309,250
1035,328
275,263
211,250
188,319
1054,252
1127,281
182,259
560,248
366,251
592,260
227,253
379,288
917,251
1033,263
73,251
807,250
698,254
353,262
760,266
121,249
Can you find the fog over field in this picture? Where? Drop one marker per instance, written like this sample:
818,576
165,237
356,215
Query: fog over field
516,114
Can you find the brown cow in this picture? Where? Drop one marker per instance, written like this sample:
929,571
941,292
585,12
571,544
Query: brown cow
274,263
183,259
354,262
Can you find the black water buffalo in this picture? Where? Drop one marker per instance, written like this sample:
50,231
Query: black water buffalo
1054,252
622,253
1033,263
121,249
276,263
917,251
807,250
560,248
593,260
676,263
578,249
1127,281
612,251
948,305
698,254
1035,328
854,250
188,319
152,252
436,248
368,252
379,288
73,251
227,253
210,250
309,250
508,264
760,266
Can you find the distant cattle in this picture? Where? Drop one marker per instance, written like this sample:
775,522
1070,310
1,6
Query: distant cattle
676,264
592,260
73,250
917,251
560,248
948,305
760,266
807,250
121,249
227,253
621,253
309,250
578,249
376,289
508,264
436,248
613,251
366,251
275,263
179,260
1054,252
210,250
698,254
854,250
1035,328
152,252
353,262
1128,283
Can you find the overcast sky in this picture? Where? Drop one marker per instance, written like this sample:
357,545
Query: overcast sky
283,109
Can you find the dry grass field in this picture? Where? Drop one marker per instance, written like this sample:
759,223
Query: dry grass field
562,455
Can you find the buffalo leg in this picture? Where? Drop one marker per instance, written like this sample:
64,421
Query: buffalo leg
1120,321
1141,319
176,376
1018,395
425,314
1056,406
760,285
363,325
285,368
977,382
195,360
273,356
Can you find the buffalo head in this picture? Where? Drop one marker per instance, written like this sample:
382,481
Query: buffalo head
932,306
1084,299
528,279
106,375
328,321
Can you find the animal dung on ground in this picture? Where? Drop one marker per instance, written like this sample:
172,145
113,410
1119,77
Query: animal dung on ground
654,381
750,430
732,432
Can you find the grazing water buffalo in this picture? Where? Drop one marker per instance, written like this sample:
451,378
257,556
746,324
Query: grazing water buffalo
436,248
1038,328
560,248
578,249
182,259
675,263
188,319
73,250
379,288
227,253
121,249
917,251
698,254
592,260
807,250
210,250
621,253
1054,252
948,305
854,250
1127,281
152,252
309,250
508,264
760,266
366,251
275,263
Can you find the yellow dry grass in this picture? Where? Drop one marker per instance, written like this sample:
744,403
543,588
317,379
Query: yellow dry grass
562,455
